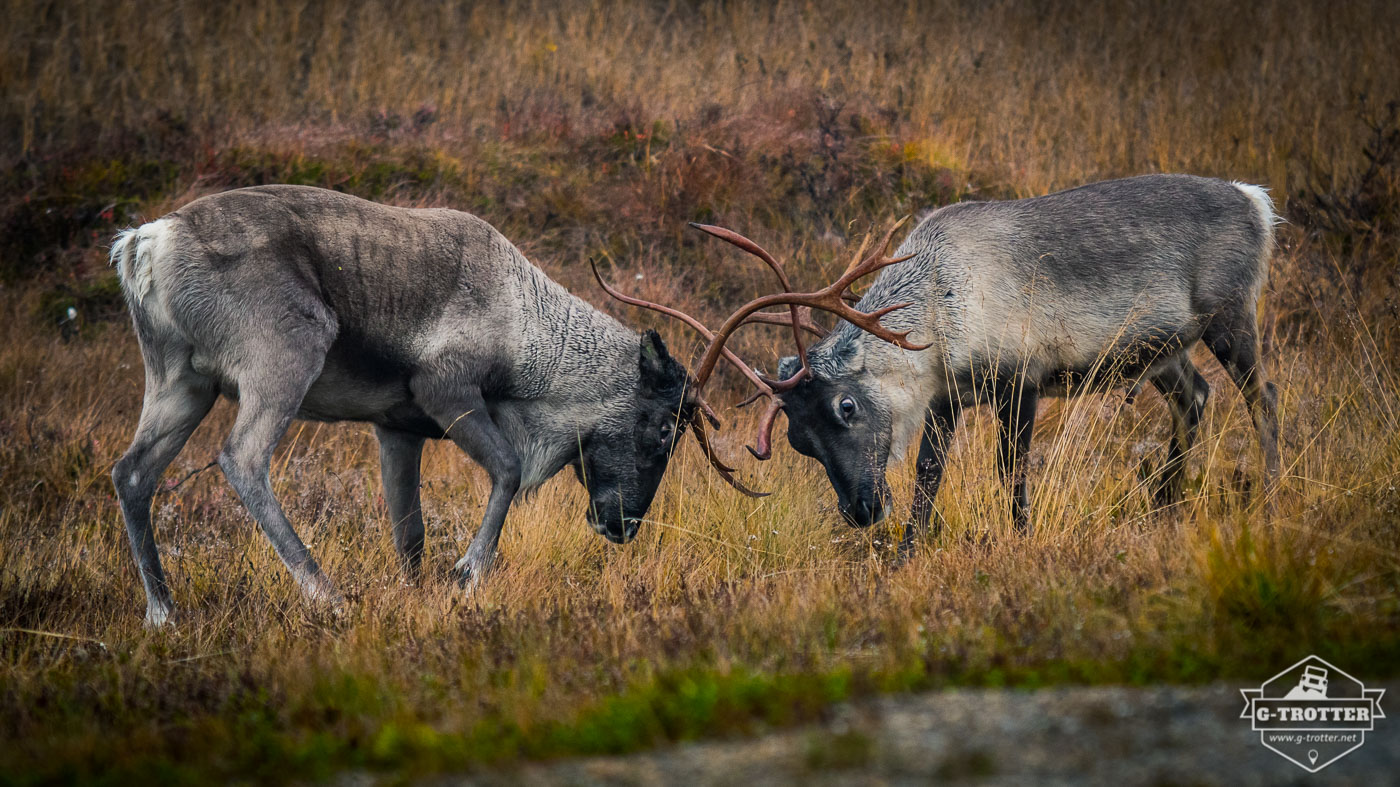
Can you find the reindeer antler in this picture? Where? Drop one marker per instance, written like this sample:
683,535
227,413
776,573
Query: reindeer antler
828,299
796,317
831,299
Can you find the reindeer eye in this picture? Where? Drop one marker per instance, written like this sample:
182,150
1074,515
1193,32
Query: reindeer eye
847,407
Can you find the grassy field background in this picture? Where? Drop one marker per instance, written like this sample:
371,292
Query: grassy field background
600,129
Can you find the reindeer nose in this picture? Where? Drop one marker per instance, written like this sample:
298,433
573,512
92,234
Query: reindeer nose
866,509
614,526
625,531
878,511
621,532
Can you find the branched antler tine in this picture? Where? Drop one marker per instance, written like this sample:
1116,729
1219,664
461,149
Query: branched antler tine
739,364
870,323
885,262
706,411
884,244
827,300
744,368
877,259
764,450
695,324
754,397
724,470
897,338
882,311
858,258
782,386
656,307
730,236
770,318
716,346
703,438
868,266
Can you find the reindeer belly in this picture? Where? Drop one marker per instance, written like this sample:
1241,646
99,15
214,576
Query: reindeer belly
1066,345
1123,357
335,397
358,383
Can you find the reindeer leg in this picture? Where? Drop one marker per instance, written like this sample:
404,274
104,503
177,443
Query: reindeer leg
1186,392
400,458
463,416
939,425
1015,406
1234,340
174,405
268,400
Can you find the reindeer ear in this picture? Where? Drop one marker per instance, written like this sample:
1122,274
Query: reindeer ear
788,366
659,371
654,353
851,352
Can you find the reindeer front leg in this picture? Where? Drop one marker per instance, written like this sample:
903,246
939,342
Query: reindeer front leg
400,462
940,422
1015,403
464,419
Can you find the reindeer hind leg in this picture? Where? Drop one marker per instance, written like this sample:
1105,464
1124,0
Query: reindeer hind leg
1235,343
1186,393
273,378
176,401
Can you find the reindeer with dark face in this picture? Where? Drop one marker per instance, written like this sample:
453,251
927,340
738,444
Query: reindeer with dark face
304,303
1087,289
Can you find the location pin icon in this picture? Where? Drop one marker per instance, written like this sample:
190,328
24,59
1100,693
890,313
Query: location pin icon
1312,756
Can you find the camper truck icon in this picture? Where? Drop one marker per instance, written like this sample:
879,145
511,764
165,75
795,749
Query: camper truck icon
1311,686
1314,679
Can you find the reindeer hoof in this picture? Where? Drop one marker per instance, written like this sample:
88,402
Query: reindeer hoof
322,596
470,572
1165,495
159,616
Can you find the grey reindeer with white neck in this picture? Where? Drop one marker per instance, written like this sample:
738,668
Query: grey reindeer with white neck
306,303
1006,302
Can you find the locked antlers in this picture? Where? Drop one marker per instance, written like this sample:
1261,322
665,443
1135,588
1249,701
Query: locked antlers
832,299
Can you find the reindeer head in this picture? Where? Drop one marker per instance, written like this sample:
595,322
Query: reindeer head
621,462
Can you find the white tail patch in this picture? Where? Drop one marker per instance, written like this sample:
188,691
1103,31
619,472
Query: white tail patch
136,253
1262,203
1264,206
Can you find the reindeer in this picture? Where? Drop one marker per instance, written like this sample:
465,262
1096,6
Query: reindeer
1087,289
305,303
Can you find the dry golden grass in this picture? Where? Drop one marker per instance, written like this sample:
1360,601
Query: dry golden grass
598,129
1043,95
